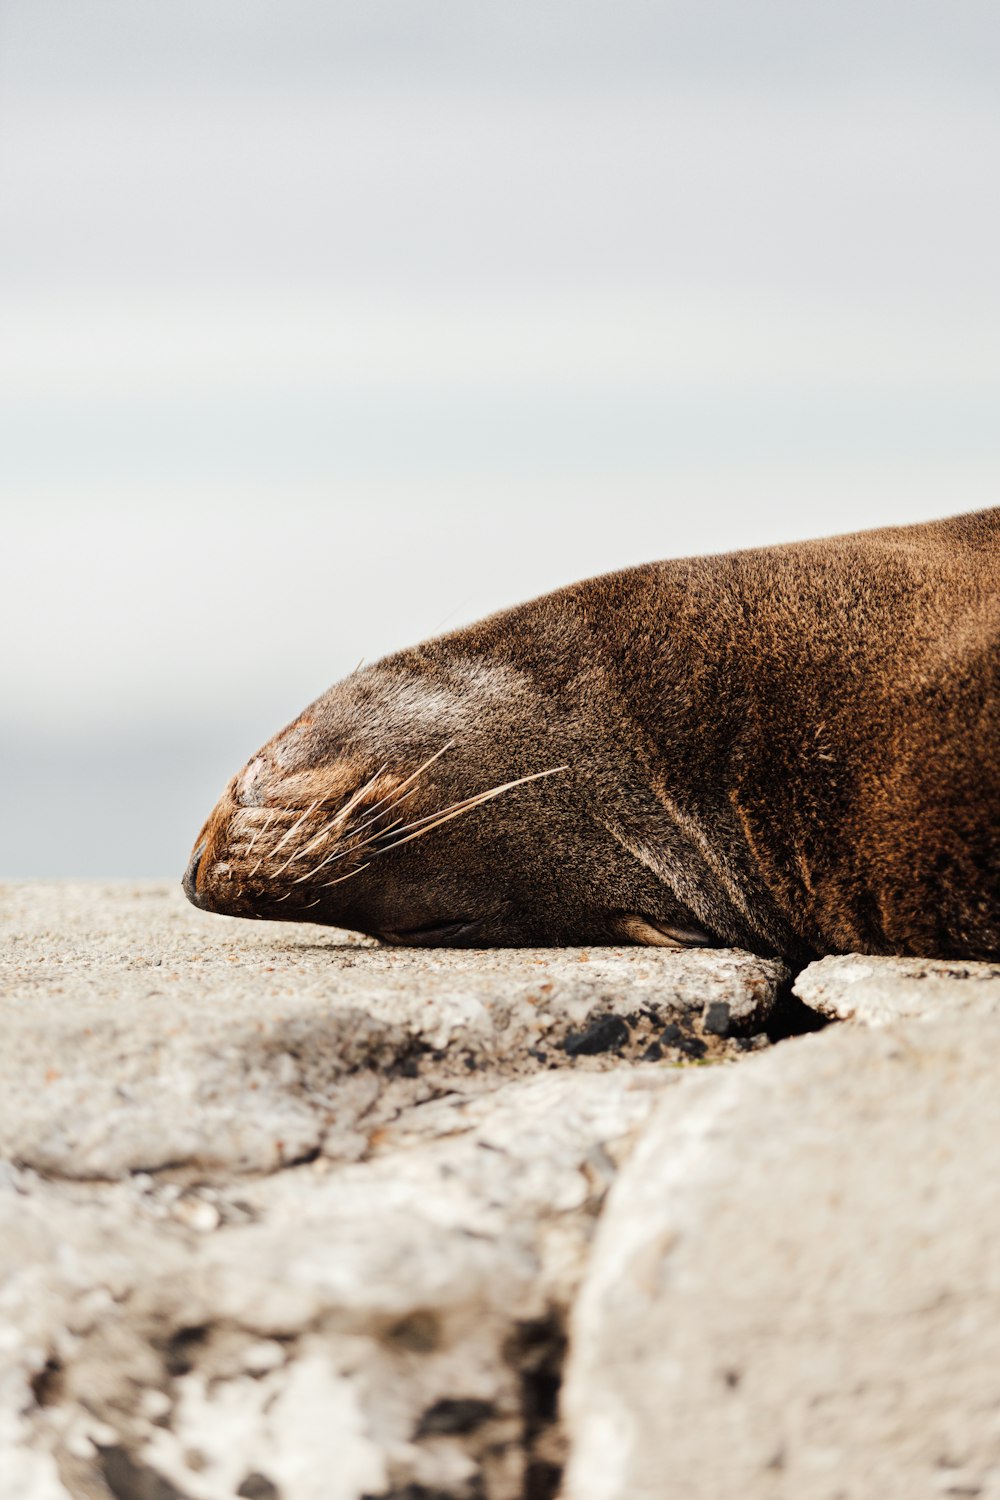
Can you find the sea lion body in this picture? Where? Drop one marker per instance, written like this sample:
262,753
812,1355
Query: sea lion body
793,749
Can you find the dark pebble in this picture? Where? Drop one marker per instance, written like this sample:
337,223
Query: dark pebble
693,1046
128,1480
609,1034
454,1414
258,1487
716,1021
653,1053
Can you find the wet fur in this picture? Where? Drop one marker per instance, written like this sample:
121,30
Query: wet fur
793,749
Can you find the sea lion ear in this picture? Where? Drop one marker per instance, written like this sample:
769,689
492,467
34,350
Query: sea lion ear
649,932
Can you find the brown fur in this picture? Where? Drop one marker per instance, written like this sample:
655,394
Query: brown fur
794,749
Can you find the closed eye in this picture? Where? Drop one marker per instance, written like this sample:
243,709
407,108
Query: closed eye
434,934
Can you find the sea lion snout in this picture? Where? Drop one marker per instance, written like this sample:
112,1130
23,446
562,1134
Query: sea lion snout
209,877
421,817
264,820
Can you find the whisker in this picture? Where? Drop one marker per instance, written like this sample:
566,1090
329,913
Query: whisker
393,798
375,816
341,813
258,831
263,856
478,797
350,874
300,878
372,817
286,836
445,815
352,802
342,853
318,838
404,834
422,767
344,812
429,827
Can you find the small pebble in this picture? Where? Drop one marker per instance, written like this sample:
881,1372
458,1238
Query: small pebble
265,1355
154,1404
197,1214
608,1034
716,1018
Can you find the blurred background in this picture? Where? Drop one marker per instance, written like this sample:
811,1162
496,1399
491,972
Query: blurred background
327,325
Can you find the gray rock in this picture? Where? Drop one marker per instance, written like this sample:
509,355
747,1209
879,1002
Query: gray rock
285,1214
338,1330
140,1034
876,991
794,1289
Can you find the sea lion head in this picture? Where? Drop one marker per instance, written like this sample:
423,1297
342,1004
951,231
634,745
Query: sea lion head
432,800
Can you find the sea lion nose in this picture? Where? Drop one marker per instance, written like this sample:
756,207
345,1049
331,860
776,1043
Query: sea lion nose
191,876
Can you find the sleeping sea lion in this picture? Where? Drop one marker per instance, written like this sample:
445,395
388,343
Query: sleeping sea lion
794,750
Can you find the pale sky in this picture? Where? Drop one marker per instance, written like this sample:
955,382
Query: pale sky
327,326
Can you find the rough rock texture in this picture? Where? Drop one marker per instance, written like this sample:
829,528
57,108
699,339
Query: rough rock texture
140,1034
342,1332
875,991
289,1216
795,1290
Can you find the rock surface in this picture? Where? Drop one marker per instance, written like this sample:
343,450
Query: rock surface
287,1216
139,1032
875,991
340,1331
795,1291
290,1216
